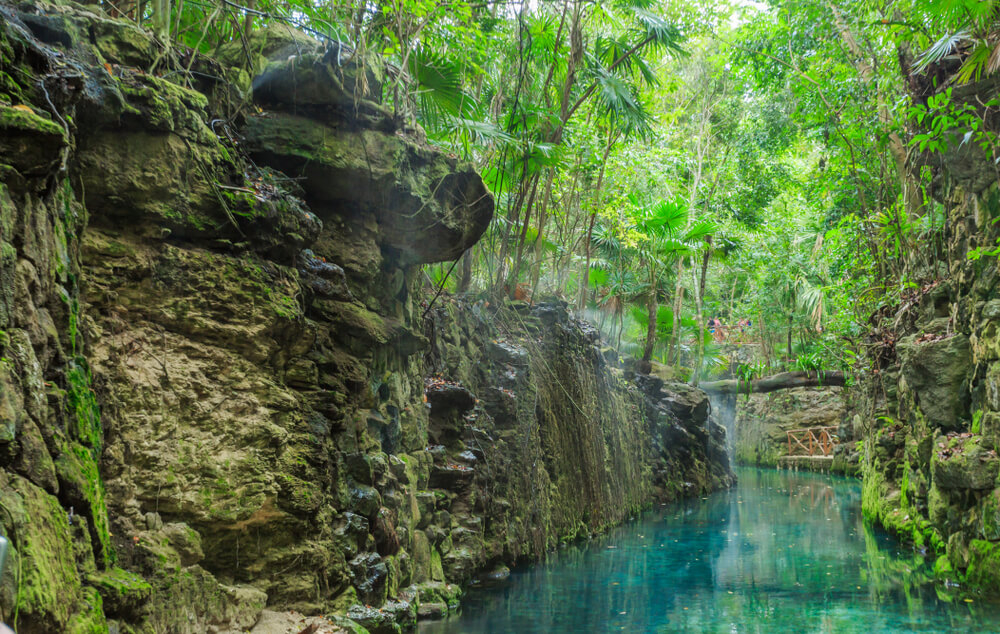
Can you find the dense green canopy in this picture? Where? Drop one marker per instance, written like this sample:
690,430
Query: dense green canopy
663,165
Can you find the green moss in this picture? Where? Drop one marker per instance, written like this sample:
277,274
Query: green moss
77,466
357,318
49,593
759,456
8,256
984,565
298,495
879,505
904,486
85,414
345,600
166,105
120,589
438,592
24,119
437,570
943,567
10,88
89,620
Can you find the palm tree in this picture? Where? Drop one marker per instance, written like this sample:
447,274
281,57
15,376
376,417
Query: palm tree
611,274
658,225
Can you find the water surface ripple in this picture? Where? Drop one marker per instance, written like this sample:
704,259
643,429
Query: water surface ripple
783,552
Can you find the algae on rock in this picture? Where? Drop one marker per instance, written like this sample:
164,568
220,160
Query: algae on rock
213,373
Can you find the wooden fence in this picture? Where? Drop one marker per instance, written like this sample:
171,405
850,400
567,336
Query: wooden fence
815,441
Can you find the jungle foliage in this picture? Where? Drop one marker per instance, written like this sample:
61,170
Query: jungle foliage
663,164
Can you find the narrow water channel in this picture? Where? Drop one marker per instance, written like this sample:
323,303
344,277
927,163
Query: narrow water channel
783,552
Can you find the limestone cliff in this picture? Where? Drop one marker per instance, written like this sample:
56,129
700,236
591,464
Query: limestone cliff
762,423
931,419
220,388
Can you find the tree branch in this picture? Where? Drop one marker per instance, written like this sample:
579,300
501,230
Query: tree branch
782,381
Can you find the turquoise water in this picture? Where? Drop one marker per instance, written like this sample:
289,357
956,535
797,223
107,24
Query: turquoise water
784,552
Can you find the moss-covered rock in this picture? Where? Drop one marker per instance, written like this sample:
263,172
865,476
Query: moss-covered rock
335,81
81,485
213,399
429,208
30,143
121,592
963,463
47,589
277,42
937,371
762,422
984,565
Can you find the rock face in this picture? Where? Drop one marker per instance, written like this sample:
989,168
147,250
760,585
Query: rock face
931,404
557,444
218,388
764,420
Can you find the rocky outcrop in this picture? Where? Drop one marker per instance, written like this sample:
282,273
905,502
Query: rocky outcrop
219,389
931,401
542,441
764,420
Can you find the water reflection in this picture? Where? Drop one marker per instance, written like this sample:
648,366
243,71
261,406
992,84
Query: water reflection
783,552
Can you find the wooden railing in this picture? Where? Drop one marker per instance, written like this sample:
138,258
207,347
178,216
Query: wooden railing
815,441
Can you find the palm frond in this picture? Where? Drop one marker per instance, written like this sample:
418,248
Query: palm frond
941,49
481,132
658,31
439,84
618,101
700,229
665,217
974,65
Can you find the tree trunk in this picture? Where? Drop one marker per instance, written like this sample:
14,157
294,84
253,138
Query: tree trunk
675,331
782,381
621,326
515,269
652,306
161,19
465,275
789,337
585,278
248,18
593,217
513,218
912,196
700,151
765,339
699,310
543,216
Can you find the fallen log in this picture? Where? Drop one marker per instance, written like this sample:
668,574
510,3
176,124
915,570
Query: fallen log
782,381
